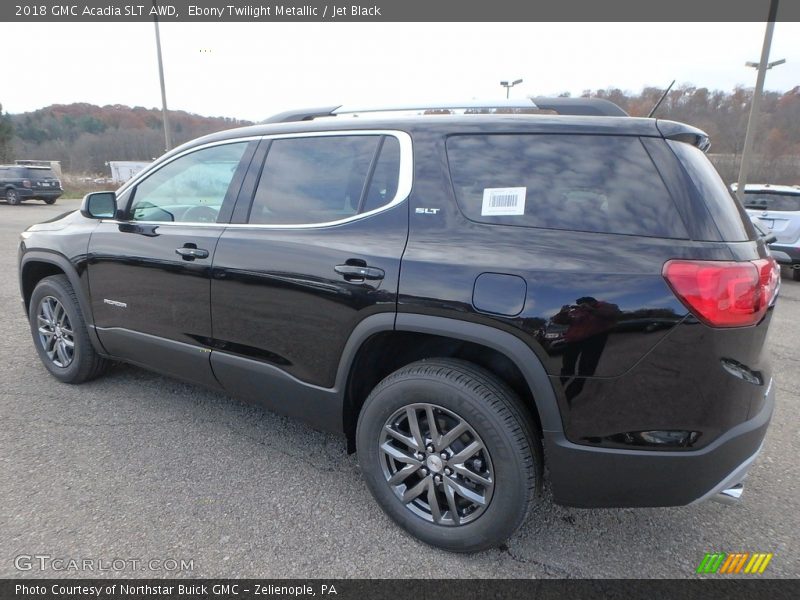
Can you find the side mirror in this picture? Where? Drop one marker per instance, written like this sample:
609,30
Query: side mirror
99,205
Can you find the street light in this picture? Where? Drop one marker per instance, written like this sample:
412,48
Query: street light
508,85
763,66
774,63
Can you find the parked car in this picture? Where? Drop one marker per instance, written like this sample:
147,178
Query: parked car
451,293
24,182
776,208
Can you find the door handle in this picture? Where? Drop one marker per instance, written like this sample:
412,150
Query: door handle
359,273
189,253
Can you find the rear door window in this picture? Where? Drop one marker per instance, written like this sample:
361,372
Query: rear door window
315,180
605,184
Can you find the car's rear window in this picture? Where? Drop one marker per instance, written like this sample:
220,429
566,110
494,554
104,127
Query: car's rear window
589,183
40,174
772,201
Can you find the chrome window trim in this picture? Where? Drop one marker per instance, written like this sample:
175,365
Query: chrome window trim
406,176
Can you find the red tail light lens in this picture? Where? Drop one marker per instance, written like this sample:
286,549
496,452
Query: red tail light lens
725,294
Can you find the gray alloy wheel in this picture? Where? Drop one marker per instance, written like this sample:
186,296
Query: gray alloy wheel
450,453
55,332
12,196
436,464
60,334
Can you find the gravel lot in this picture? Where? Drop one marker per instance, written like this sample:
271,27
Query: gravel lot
136,465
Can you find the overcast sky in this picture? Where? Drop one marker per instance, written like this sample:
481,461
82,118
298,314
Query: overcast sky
253,70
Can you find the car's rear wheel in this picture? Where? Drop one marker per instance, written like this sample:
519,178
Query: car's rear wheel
50,200
12,196
796,273
59,332
450,454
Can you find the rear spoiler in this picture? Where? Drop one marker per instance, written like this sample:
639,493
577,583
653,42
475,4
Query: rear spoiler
680,132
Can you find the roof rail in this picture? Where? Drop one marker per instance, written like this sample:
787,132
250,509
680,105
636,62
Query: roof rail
457,105
599,107
563,106
305,114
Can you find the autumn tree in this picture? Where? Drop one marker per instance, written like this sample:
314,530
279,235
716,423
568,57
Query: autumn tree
6,136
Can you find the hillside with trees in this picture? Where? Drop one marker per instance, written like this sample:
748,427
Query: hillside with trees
84,136
723,115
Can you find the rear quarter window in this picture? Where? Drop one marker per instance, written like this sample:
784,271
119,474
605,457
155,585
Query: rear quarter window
13,173
725,210
605,184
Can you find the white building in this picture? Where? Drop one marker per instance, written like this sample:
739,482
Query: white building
123,170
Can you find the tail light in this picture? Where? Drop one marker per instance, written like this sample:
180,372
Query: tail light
725,294
26,183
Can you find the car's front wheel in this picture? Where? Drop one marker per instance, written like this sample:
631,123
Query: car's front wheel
450,454
12,196
59,332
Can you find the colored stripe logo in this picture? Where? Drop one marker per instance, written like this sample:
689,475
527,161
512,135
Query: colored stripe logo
734,563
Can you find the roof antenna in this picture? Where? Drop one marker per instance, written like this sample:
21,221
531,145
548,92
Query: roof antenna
660,100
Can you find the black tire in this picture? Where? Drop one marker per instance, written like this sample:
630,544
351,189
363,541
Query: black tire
796,273
513,461
12,196
84,363
49,200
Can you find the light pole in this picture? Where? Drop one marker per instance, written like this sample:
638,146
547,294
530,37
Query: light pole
752,120
508,85
165,117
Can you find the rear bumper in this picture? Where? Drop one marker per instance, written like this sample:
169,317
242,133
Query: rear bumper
44,194
605,477
40,194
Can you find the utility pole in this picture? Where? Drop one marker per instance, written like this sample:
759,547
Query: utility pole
165,116
752,121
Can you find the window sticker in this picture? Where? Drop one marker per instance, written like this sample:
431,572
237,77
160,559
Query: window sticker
503,201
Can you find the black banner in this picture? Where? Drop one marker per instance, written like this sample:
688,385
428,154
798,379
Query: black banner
397,589
393,10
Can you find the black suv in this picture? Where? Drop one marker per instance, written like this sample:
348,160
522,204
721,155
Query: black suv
467,298
24,182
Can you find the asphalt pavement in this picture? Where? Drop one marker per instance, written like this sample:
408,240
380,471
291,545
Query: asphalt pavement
139,467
